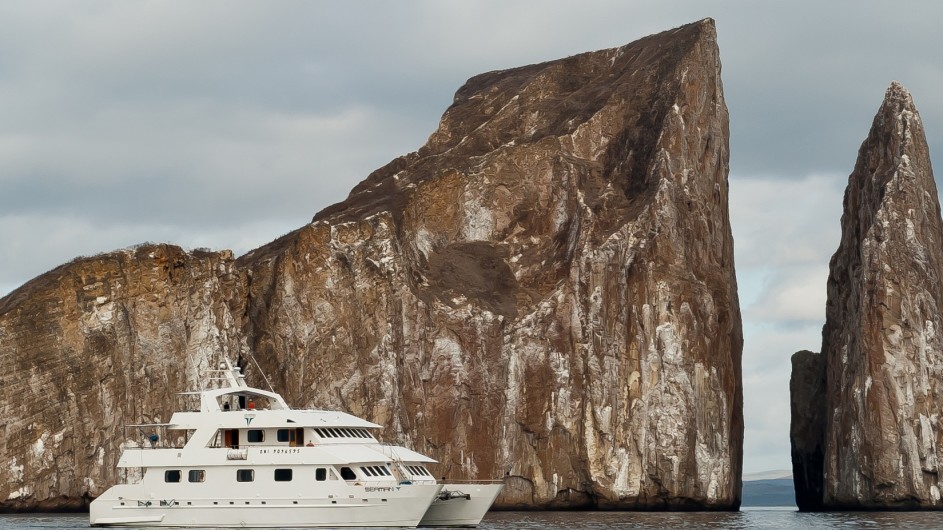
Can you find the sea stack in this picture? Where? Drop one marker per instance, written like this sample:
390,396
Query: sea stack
543,293
881,366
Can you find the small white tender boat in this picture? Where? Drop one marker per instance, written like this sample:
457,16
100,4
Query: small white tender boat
245,458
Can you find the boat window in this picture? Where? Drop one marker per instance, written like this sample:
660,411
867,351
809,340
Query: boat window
348,474
348,433
335,433
366,471
282,475
245,475
255,436
196,475
172,475
424,471
284,435
386,471
320,474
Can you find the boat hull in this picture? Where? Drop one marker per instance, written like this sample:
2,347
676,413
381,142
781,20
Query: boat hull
403,506
461,504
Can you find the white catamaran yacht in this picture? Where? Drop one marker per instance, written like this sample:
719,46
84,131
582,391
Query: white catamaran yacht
245,458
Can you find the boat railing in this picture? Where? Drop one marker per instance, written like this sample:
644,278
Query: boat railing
153,436
237,454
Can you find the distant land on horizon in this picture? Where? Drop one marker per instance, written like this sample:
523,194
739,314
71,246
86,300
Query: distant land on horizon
768,488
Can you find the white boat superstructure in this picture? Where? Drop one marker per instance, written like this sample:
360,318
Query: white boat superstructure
245,458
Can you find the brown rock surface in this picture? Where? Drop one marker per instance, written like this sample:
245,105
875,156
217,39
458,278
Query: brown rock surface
97,343
807,430
544,291
881,342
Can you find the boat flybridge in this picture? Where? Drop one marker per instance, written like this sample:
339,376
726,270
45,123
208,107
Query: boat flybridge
245,458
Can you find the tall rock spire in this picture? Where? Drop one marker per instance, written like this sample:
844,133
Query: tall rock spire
882,347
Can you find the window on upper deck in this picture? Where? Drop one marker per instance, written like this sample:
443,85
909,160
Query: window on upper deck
255,436
196,475
172,475
284,435
282,475
320,474
245,475
348,474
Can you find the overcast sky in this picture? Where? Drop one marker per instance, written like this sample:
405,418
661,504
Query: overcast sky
225,124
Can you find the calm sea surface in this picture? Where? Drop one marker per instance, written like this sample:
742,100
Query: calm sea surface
778,518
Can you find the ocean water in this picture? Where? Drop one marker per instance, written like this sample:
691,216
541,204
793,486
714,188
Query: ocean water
751,518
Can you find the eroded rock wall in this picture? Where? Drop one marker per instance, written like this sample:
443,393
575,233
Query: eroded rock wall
544,291
99,343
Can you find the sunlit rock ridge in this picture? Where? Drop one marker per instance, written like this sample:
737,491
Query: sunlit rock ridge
544,292
866,431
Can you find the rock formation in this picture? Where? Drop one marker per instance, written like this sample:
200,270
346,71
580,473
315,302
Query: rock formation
95,344
807,393
881,345
544,292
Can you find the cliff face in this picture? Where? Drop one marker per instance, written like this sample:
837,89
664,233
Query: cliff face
545,291
98,343
881,344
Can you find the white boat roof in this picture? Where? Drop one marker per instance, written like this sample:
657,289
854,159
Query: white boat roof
234,419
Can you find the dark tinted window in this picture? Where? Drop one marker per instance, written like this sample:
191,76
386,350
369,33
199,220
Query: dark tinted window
348,474
283,435
172,475
320,474
196,475
255,436
282,475
245,475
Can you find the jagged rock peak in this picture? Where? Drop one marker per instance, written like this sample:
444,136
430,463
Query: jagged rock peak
882,347
557,99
